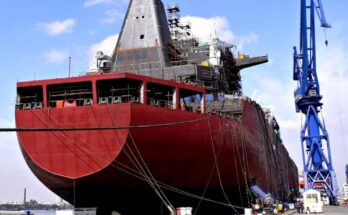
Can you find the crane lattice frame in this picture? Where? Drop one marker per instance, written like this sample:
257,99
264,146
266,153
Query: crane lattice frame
318,170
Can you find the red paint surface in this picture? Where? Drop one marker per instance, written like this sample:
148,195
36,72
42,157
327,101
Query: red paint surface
180,155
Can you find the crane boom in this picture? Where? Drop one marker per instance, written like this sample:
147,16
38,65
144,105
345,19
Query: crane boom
318,170
321,15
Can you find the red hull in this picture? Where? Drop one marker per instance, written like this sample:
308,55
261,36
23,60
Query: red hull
92,168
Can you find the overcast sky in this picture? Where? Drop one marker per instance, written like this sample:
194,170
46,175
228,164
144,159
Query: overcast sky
38,36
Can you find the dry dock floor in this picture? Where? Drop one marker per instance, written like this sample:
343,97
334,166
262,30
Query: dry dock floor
329,210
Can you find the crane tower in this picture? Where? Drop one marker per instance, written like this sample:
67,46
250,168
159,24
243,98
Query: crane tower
317,160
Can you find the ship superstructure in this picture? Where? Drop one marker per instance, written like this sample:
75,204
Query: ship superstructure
151,45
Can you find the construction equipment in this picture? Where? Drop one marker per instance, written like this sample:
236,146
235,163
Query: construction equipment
318,170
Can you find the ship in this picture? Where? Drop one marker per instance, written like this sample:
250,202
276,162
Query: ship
160,124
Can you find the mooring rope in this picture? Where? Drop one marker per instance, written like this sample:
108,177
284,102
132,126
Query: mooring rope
99,128
142,176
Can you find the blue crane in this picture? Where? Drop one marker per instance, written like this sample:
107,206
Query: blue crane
318,170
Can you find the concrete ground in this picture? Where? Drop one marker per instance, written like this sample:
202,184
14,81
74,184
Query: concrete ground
328,210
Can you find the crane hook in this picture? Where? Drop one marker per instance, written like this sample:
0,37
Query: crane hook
326,41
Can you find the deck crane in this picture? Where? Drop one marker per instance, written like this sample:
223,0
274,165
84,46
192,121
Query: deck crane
318,169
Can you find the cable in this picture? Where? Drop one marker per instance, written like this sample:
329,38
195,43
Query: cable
147,175
136,164
209,179
62,130
174,189
140,176
265,144
326,41
63,142
98,128
152,180
216,163
234,140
